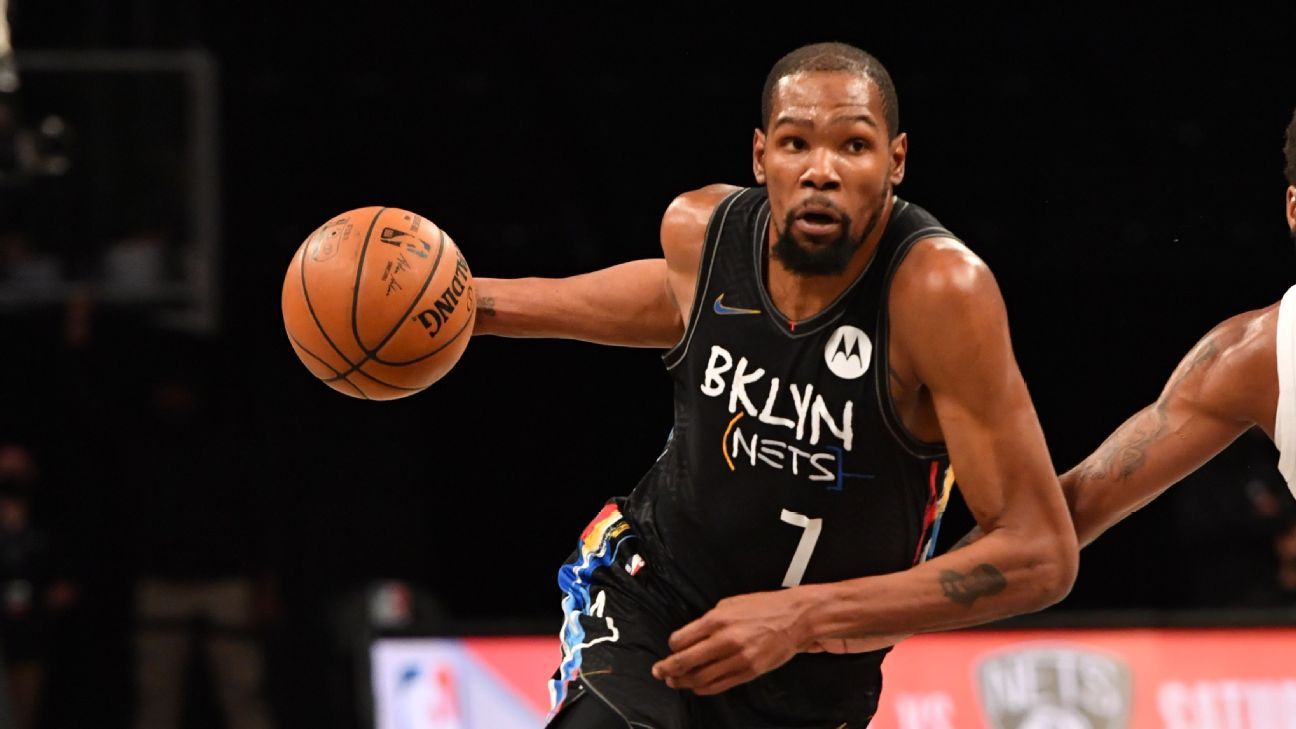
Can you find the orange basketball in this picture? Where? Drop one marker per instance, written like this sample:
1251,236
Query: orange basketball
379,303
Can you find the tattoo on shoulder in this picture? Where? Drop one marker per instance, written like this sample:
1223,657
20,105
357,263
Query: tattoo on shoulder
984,579
486,305
1125,451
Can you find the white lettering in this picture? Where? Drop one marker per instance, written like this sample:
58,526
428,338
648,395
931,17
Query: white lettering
1228,704
751,447
766,415
802,404
738,389
925,711
820,413
768,452
1172,701
817,460
1010,687
1067,682
795,452
712,383
1231,694
1100,688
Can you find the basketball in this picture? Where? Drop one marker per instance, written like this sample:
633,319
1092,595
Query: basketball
378,303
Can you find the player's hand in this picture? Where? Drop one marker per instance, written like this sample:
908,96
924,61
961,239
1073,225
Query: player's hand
741,638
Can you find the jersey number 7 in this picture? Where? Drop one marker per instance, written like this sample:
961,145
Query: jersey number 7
801,558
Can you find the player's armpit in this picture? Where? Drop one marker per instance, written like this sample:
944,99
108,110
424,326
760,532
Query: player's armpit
1223,386
948,319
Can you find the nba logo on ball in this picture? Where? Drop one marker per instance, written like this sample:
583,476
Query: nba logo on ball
1054,687
848,352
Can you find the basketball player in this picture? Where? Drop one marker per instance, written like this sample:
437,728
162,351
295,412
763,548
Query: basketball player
832,346
1241,374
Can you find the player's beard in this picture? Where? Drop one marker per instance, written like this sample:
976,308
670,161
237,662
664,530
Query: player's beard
833,257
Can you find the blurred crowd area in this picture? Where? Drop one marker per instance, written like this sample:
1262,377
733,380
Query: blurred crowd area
141,575
144,579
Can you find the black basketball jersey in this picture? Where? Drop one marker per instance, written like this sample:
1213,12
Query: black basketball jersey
787,463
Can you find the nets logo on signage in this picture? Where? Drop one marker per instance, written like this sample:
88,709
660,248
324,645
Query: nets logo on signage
1054,687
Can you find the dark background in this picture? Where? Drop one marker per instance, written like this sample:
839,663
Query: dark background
1121,174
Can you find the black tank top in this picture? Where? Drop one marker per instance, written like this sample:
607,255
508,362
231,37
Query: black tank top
787,463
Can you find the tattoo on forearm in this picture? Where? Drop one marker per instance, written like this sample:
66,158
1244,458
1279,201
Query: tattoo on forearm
486,305
1125,451
984,579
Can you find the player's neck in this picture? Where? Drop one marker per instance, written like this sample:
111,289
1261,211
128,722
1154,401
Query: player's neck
798,296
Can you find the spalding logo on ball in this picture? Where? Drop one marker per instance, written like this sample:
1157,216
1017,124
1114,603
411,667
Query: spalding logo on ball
379,303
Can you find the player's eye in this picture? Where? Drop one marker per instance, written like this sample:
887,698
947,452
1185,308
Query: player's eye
796,144
857,145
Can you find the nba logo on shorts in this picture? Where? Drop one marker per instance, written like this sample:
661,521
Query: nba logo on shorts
1054,687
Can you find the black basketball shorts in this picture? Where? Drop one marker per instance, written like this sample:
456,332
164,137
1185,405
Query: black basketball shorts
619,611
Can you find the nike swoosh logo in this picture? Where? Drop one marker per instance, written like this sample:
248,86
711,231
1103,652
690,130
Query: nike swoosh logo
729,310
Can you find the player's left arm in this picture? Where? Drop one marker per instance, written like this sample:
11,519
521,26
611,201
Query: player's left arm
949,320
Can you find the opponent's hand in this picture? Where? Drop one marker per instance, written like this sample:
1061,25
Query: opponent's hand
739,639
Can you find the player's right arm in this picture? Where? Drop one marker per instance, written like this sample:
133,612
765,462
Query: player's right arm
1226,384
643,303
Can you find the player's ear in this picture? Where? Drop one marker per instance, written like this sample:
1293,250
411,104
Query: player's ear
899,151
1291,208
758,156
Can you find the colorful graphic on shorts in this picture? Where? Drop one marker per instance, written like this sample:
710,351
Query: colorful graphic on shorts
600,544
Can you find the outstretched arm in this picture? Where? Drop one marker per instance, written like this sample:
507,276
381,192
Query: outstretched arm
628,304
638,304
1227,383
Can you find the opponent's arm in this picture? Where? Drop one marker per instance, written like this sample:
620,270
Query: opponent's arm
1226,383
640,304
